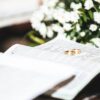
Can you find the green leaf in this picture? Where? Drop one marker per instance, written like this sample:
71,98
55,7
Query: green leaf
90,14
35,38
85,18
83,1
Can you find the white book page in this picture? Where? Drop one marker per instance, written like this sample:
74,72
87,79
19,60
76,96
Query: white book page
24,79
87,68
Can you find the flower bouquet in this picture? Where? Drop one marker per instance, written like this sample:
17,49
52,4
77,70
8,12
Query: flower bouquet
78,20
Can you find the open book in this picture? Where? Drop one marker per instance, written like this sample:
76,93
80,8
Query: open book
55,66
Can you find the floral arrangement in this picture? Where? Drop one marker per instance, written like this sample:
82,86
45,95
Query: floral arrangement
78,20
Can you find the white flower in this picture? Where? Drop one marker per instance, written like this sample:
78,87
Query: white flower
97,1
75,6
48,13
50,32
61,5
96,41
88,4
67,26
57,28
67,16
36,25
63,16
74,17
51,3
78,27
93,27
37,16
97,17
43,30
82,34
59,15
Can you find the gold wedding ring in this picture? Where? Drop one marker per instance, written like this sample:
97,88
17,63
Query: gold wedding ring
73,52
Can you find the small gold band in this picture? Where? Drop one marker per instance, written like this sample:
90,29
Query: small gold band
73,52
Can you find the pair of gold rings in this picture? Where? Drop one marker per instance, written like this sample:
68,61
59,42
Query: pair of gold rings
73,52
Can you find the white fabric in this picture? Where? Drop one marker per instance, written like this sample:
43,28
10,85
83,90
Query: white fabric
24,79
16,11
